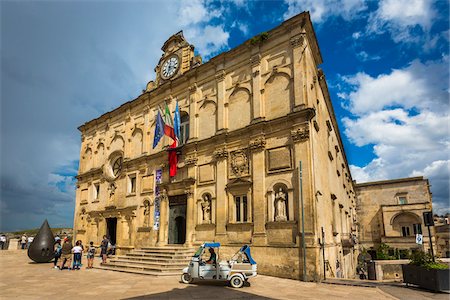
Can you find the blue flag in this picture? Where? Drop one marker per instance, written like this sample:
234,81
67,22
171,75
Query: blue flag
159,130
176,122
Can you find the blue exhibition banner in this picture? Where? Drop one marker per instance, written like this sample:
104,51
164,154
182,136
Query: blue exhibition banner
158,179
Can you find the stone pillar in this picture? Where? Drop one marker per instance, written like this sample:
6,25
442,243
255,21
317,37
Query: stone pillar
190,217
297,43
163,219
221,109
257,147
255,61
193,113
221,155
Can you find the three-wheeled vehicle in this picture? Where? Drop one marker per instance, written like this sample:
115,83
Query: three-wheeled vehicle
236,271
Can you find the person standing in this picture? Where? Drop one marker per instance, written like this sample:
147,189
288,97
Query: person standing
57,249
23,241
2,241
29,241
104,249
66,254
77,253
90,255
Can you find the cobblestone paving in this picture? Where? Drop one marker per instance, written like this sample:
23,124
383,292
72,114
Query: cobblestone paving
23,279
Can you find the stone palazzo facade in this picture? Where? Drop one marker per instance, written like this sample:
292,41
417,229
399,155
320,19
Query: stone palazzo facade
391,212
261,155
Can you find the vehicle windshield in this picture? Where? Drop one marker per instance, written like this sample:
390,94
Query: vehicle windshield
198,252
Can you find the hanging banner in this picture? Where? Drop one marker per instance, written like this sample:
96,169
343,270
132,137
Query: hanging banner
419,239
158,179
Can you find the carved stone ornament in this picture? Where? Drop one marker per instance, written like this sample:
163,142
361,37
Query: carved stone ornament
190,160
220,153
300,134
257,144
255,59
239,163
297,41
220,76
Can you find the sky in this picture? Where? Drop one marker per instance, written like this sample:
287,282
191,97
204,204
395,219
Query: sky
67,62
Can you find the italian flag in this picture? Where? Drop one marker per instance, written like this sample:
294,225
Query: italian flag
170,132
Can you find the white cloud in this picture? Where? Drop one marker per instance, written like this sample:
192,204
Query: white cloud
320,10
405,115
364,56
401,17
243,27
208,40
420,85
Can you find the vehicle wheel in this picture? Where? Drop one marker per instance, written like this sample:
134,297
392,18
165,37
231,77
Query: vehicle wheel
236,282
186,278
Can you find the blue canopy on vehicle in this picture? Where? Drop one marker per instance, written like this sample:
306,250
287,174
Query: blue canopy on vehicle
246,250
212,245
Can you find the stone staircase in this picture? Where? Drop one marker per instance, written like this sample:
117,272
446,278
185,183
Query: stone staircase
156,261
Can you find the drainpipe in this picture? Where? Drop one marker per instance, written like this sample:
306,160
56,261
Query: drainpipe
303,220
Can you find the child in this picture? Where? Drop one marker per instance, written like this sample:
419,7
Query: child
57,249
77,252
91,255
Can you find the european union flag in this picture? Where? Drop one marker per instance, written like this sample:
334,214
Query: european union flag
159,130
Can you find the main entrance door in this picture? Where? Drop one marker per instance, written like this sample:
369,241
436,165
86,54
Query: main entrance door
177,219
111,229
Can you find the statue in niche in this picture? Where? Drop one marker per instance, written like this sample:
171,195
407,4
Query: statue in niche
146,213
206,208
280,206
112,189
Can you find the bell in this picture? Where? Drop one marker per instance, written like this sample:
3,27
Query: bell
41,248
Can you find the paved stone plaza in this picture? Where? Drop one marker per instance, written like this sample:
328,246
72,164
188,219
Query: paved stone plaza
21,278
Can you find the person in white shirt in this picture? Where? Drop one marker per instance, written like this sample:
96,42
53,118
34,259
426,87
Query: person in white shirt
77,253
30,240
2,241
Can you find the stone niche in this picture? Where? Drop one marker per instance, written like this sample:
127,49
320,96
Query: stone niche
281,233
279,159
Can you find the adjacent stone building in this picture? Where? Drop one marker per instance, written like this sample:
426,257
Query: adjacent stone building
391,212
261,155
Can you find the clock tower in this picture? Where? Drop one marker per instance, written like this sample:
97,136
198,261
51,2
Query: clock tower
177,59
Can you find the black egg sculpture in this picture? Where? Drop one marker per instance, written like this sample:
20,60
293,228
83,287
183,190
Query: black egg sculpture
41,248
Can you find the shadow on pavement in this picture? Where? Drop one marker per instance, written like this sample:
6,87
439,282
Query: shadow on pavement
203,290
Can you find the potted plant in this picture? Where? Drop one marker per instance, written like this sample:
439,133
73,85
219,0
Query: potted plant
422,271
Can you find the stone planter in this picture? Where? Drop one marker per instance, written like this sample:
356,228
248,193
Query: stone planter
435,280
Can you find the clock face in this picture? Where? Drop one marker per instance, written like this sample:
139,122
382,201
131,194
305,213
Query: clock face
169,67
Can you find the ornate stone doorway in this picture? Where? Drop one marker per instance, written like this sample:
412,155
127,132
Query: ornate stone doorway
177,219
111,229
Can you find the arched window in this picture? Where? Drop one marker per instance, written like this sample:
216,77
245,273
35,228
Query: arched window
184,128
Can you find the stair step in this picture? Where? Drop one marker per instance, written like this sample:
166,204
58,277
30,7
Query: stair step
190,253
153,259
159,255
163,265
145,267
126,270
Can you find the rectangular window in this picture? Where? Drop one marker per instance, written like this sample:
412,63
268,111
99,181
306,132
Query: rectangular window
405,231
238,208
402,200
241,208
244,209
417,228
132,184
96,191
